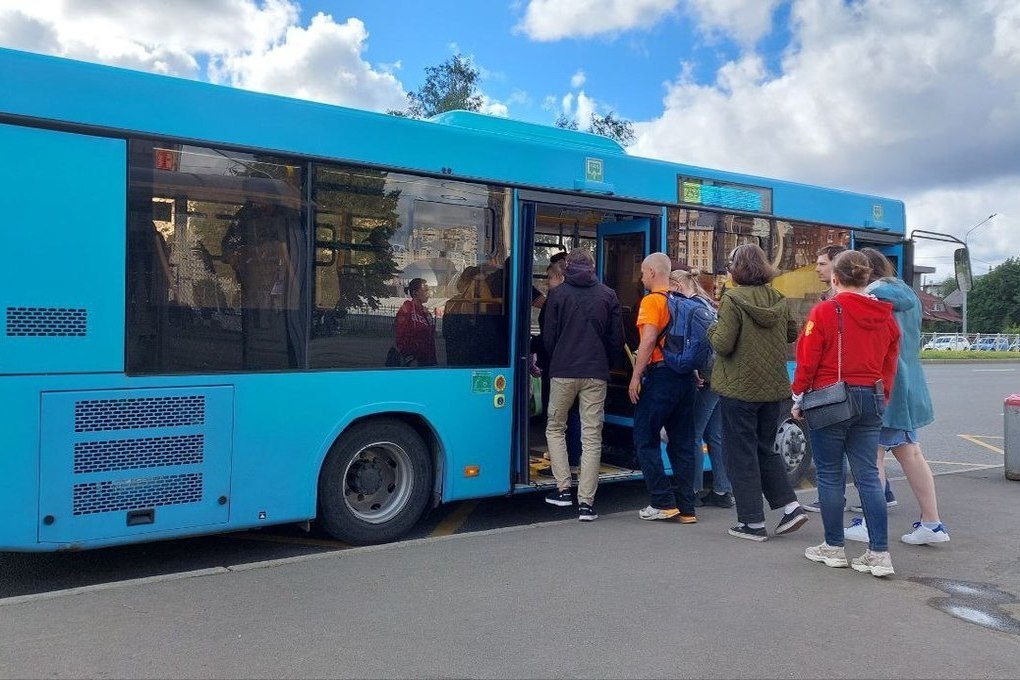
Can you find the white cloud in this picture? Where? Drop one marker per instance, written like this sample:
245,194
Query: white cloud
249,43
322,62
577,80
915,99
547,20
494,108
746,21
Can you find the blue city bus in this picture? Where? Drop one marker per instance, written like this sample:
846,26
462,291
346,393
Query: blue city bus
205,287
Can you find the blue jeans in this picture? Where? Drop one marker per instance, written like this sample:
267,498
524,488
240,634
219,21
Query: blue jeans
708,428
666,400
857,439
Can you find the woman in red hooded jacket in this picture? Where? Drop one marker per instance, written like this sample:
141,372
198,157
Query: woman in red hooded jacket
851,337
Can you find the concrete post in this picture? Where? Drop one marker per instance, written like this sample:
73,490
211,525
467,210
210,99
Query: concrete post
1011,426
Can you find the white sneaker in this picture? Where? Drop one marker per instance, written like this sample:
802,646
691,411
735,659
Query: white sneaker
829,555
857,531
874,563
922,535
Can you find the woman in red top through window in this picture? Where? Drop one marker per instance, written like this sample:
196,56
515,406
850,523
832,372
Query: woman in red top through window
416,329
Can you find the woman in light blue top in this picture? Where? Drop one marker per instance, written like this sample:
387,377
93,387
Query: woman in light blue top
910,406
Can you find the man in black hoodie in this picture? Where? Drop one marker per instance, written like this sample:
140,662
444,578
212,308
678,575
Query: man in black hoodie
584,329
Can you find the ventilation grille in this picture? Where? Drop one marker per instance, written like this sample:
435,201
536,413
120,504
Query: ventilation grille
102,415
138,493
46,321
130,454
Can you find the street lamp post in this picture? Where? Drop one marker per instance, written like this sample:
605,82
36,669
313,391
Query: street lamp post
964,292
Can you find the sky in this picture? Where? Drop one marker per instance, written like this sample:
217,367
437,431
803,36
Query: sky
917,100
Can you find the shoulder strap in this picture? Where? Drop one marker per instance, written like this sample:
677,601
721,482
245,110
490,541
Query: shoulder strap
660,339
839,341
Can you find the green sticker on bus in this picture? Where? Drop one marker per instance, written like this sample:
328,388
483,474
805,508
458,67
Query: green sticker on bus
593,170
481,382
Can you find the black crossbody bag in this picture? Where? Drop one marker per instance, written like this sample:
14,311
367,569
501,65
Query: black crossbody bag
832,404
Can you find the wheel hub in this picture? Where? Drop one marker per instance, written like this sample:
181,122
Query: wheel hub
367,477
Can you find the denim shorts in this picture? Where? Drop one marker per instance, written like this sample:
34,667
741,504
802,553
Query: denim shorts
889,438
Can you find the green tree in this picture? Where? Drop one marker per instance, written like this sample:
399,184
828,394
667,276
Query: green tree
946,287
994,303
448,86
609,125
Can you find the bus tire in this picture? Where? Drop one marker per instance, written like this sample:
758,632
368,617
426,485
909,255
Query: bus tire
375,482
794,447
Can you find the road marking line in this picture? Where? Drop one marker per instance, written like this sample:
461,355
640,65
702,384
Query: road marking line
976,466
974,440
455,520
346,553
52,594
292,540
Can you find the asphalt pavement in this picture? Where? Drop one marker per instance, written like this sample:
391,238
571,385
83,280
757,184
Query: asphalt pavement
618,597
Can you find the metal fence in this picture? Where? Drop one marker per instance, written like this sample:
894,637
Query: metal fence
988,342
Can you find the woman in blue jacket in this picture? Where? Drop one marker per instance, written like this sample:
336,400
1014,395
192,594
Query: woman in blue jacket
909,408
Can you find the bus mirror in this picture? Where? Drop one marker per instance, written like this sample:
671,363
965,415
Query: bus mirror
961,261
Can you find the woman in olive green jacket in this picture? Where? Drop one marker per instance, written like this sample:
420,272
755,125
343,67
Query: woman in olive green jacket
750,340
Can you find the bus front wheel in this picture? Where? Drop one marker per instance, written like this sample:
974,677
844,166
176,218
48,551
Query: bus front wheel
375,482
793,446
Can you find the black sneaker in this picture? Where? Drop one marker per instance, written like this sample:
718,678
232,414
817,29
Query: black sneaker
586,513
719,500
744,531
792,521
563,499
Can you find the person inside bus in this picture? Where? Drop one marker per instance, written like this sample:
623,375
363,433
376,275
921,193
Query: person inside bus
909,409
260,244
707,413
750,341
554,277
851,338
415,327
584,330
823,267
663,398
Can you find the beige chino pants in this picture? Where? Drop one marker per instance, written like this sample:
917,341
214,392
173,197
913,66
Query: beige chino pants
591,396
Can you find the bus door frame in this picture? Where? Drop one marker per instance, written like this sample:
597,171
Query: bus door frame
526,203
607,231
890,245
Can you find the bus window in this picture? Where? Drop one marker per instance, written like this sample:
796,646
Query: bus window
376,232
797,248
216,251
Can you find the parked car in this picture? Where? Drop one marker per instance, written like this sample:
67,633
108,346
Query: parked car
948,342
991,344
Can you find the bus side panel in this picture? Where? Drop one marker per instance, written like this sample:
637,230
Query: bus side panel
119,463
62,212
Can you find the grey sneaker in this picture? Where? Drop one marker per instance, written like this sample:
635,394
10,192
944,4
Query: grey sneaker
651,513
829,555
874,563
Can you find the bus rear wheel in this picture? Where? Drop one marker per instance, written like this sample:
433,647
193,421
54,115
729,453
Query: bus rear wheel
794,448
375,482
